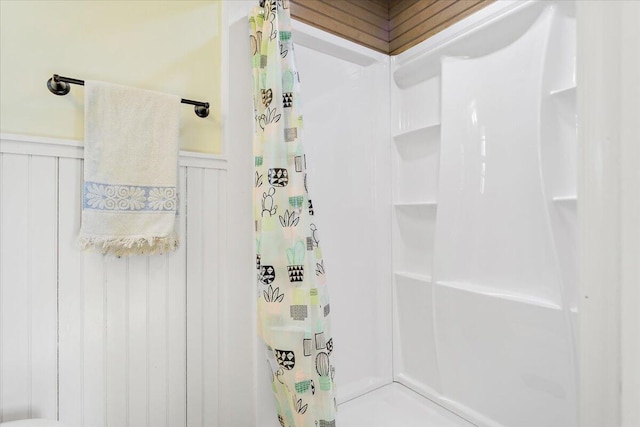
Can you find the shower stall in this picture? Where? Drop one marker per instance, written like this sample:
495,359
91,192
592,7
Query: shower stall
444,182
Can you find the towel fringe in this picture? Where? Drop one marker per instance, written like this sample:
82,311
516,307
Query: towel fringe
125,246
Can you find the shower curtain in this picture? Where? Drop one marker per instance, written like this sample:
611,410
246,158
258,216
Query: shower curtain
293,305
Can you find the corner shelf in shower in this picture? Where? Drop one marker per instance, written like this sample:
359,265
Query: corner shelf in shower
566,95
417,157
413,231
413,276
428,133
483,290
566,199
565,91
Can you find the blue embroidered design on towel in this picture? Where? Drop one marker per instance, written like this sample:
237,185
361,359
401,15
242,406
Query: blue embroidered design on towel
106,197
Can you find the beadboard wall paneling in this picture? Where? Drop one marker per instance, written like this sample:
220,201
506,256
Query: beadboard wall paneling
363,22
27,287
204,193
101,341
413,21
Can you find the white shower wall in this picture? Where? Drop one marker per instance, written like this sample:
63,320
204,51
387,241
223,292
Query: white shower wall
345,95
346,127
485,265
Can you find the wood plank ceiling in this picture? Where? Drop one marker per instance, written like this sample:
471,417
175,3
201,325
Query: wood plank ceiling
388,26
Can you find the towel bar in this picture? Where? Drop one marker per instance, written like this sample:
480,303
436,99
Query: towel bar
59,85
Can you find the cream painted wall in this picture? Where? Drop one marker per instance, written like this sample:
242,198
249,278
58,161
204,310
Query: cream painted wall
167,46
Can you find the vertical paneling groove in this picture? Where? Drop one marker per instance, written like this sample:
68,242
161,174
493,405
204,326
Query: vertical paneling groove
157,344
29,288
70,267
58,289
167,344
186,298
93,345
81,344
215,202
167,378
210,260
105,364
176,319
137,340
223,276
2,204
147,360
127,327
15,299
194,298
203,326
42,285
117,342
81,310
202,283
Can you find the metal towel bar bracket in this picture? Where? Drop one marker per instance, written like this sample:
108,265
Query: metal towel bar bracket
59,85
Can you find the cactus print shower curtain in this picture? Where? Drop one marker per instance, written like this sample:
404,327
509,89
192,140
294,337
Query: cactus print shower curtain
293,305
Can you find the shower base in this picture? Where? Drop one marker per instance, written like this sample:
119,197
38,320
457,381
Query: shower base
395,405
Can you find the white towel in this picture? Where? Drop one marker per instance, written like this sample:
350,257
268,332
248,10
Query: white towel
130,198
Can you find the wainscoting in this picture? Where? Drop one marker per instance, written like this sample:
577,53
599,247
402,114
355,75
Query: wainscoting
100,341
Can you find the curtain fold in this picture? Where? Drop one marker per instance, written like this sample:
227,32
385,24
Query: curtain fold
293,303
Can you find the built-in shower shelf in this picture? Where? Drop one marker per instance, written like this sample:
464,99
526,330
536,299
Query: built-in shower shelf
565,199
488,291
413,276
414,228
566,91
566,96
429,133
433,205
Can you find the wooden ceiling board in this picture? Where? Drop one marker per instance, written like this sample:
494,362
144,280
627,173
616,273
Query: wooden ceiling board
383,3
403,15
398,6
344,17
388,26
355,9
302,12
419,16
396,48
373,6
451,10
